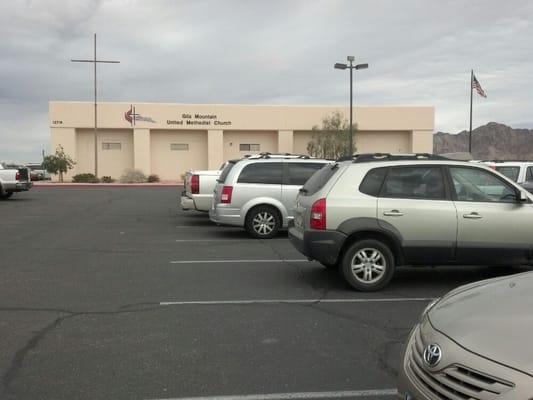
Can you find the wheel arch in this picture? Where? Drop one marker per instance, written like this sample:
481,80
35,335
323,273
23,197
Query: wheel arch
268,202
357,229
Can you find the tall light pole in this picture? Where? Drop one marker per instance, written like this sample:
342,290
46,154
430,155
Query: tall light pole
95,61
351,59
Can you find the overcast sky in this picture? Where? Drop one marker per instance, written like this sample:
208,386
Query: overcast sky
264,52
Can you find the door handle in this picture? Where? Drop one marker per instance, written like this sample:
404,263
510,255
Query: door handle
472,215
393,213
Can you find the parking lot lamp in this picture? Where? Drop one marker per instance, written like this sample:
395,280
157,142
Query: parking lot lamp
351,67
95,61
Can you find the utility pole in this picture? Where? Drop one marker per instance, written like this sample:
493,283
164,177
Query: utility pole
95,61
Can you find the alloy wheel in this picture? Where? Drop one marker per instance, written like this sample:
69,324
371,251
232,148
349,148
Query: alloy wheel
368,265
263,223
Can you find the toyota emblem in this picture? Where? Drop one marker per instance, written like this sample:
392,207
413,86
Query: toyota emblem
432,355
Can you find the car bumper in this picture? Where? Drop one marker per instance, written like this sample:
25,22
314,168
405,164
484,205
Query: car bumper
323,246
200,202
18,186
226,215
186,202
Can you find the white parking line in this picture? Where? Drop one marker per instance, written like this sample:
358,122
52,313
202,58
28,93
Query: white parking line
236,261
292,301
220,240
298,395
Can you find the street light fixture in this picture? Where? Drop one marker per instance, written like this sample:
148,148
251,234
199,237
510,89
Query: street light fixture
351,59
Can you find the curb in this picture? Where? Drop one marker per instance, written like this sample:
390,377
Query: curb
104,185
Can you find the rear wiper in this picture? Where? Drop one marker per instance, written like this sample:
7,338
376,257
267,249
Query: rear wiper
303,190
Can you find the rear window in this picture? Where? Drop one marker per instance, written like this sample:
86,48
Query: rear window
299,173
225,172
509,172
372,182
319,179
267,173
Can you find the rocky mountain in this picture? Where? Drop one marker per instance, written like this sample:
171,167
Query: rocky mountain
493,141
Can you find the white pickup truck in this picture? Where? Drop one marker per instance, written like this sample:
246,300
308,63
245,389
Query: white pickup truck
518,171
13,178
198,191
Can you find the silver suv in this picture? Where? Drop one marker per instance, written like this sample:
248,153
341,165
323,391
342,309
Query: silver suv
259,193
372,213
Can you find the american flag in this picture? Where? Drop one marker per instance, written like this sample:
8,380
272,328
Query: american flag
477,86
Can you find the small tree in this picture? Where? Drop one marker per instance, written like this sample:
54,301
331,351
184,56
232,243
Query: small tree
58,163
332,139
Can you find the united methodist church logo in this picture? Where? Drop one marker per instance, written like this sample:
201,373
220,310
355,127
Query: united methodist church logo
131,116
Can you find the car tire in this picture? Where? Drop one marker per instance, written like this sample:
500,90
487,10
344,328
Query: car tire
263,222
368,265
5,194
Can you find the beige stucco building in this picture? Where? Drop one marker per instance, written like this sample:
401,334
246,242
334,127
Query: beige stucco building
168,139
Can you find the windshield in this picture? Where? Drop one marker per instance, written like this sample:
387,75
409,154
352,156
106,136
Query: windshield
509,172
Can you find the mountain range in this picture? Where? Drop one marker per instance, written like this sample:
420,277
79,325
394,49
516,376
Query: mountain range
493,141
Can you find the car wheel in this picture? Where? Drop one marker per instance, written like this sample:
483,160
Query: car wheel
368,265
263,222
4,194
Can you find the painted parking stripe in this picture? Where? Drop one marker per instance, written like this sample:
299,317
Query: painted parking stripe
298,395
237,261
292,301
222,240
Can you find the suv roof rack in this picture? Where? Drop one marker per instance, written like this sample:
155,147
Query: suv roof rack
276,155
371,157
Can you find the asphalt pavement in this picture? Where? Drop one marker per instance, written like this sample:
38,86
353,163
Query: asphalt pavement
117,294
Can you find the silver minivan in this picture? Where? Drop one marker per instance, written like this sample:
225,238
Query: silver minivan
259,193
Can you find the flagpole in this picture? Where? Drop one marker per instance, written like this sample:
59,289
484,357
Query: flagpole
470,134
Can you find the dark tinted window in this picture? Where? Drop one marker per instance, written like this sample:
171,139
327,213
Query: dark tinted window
423,182
529,174
319,179
262,172
299,173
225,172
372,182
509,172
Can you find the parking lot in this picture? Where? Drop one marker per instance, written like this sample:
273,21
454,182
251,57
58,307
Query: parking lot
116,294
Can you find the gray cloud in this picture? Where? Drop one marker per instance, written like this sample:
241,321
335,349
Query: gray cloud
275,52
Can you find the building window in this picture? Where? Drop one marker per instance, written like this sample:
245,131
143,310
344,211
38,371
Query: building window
111,146
179,146
249,147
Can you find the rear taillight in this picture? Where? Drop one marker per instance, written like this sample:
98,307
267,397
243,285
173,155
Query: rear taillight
318,215
195,184
225,197
17,176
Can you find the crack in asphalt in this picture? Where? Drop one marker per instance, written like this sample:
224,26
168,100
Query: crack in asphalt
33,342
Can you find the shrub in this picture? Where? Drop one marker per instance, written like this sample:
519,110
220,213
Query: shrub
133,176
153,178
85,178
107,179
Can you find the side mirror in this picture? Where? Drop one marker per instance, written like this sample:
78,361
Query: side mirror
522,197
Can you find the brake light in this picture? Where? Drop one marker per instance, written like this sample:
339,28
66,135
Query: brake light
195,184
17,176
318,215
227,191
